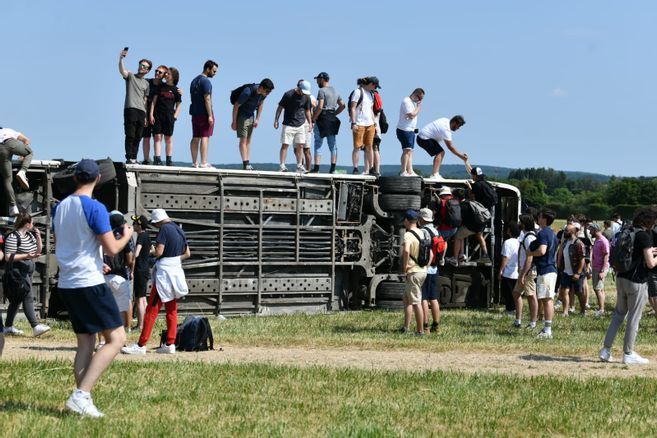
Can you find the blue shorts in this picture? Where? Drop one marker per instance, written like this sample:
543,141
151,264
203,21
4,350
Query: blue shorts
446,234
430,288
406,138
567,282
91,309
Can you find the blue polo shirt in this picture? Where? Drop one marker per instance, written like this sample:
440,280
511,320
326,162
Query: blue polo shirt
546,263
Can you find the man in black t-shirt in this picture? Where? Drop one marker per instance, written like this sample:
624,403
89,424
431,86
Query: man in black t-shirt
297,105
142,268
632,289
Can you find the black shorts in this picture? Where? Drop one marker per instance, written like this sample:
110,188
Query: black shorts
164,124
91,309
141,284
432,147
376,145
148,131
652,286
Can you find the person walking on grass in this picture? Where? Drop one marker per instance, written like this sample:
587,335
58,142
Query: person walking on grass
82,230
632,289
14,143
247,111
543,250
415,274
526,283
202,114
23,246
600,265
169,283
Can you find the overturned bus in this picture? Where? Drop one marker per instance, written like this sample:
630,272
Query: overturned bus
270,242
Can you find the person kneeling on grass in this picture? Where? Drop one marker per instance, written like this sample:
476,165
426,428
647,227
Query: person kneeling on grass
82,227
169,283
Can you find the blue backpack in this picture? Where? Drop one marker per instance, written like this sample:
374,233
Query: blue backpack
194,334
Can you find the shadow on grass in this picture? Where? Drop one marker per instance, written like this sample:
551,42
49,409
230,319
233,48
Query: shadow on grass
46,348
546,358
16,406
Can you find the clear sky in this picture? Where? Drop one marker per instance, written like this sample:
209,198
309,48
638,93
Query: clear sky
562,84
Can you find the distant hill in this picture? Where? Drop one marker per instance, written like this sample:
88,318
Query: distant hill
451,171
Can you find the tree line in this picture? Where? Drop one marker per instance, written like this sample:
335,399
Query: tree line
545,187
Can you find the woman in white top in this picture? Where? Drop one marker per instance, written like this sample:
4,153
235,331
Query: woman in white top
509,266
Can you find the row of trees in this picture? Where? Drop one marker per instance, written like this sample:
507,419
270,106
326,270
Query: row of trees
596,198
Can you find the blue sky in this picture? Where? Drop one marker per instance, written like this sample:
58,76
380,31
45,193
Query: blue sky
563,84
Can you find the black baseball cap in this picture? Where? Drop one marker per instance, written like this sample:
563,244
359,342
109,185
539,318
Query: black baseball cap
323,75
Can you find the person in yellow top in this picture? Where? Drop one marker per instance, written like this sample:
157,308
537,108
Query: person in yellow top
415,274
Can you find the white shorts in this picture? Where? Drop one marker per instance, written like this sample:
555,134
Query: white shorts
120,288
294,135
545,285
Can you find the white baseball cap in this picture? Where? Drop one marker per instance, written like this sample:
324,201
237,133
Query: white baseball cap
158,215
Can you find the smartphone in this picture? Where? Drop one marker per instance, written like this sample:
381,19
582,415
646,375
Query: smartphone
125,49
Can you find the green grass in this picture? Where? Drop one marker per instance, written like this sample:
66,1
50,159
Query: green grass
194,399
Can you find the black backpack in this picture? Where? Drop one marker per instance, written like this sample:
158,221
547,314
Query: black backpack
194,334
488,193
383,122
424,253
15,286
351,98
622,250
452,216
235,94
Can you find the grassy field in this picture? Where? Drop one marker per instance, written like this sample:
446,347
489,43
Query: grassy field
153,398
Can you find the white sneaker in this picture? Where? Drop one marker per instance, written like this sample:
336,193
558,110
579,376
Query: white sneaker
634,359
11,330
249,167
605,355
301,169
599,313
282,168
404,174
40,329
133,349
436,176
167,349
544,335
22,179
452,261
13,211
83,406
206,166
572,309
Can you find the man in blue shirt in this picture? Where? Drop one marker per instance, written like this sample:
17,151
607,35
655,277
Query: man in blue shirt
544,250
250,101
202,113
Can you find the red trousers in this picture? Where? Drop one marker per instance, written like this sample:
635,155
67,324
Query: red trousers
153,308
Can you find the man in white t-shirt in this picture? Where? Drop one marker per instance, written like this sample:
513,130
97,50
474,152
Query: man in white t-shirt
82,229
14,143
363,125
508,273
406,128
431,135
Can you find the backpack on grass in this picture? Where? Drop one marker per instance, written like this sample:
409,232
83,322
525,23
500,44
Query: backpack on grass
424,252
194,334
622,249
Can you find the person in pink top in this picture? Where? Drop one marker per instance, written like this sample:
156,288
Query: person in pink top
600,265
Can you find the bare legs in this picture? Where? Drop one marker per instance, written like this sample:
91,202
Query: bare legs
437,160
88,367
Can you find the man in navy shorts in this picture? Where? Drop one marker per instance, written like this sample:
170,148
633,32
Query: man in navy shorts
81,225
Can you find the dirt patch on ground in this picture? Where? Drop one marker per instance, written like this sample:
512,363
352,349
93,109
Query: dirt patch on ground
468,362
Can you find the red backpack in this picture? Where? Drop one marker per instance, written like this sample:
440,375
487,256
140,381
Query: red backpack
378,103
438,246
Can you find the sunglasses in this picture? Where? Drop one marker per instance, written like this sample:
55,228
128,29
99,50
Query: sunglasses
146,66
160,72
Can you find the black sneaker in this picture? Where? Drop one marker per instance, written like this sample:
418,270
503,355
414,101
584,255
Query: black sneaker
146,162
131,161
355,171
157,161
434,327
169,162
403,330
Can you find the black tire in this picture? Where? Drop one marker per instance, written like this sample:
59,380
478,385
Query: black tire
400,202
389,295
400,184
63,180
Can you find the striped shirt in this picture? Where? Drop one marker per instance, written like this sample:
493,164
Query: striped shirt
28,243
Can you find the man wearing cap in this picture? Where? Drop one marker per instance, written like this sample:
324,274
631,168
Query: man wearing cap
134,108
406,129
117,269
14,143
485,194
440,130
141,273
169,283
246,116
363,125
327,124
415,274
430,285
296,104
600,265
448,211
82,227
